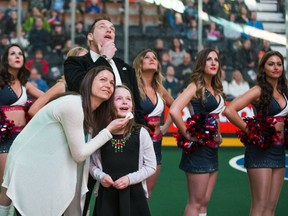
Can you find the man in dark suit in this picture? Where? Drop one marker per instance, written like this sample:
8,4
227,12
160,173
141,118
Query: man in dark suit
102,49
101,37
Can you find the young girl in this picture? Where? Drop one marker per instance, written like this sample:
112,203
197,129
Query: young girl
123,165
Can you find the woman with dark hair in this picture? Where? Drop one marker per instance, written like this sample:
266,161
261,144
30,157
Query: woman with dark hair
47,170
13,98
153,97
177,52
200,153
123,164
263,135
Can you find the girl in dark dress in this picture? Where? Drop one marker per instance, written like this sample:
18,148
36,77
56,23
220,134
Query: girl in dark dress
123,164
264,158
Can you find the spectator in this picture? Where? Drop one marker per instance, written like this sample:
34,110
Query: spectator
54,19
165,61
208,7
232,30
238,85
36,80
39,38
224,82
2,23
184,70
80,34
243,16
40,4
266,47
22,40
169,19
247,62
40,64
192,30
180,27
213,34
58,5
11,23
222,9
171,83
190,11
58,38
78,9
101,39
12,6
4,42
123,164
253,22
159,46
236,6
177,51
94,7
29,22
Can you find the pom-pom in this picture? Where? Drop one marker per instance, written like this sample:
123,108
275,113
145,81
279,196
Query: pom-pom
6,127
204,127
261,131
187,145
150,126
26,108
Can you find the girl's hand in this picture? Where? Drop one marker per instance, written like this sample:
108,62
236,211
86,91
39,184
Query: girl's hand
107,181
121,183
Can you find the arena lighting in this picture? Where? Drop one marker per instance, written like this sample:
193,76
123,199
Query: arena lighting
258,33
177,5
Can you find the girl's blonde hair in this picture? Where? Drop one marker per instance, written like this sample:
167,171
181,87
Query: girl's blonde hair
75,51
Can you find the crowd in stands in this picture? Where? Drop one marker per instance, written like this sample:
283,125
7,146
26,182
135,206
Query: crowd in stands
46,38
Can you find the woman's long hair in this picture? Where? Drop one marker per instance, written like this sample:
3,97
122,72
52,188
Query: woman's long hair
266,87
5,76
95,121
157,79
198,74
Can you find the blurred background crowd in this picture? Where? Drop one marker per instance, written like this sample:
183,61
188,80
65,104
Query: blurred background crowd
46,38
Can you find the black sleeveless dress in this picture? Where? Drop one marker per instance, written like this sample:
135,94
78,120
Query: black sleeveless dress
271,157
130,201
205,158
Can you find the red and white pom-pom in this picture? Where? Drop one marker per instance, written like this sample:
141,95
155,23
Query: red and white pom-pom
261,131
6,127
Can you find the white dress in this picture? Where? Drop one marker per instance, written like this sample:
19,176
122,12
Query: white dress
45,165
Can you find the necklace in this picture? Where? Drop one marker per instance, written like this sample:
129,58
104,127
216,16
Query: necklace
119,144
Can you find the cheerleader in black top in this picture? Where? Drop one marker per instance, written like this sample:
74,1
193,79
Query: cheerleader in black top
123,164
204,93
265,154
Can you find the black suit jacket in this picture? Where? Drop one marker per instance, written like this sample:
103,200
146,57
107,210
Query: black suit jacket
75,68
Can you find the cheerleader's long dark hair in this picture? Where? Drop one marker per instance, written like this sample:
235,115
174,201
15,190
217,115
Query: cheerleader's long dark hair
266,87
